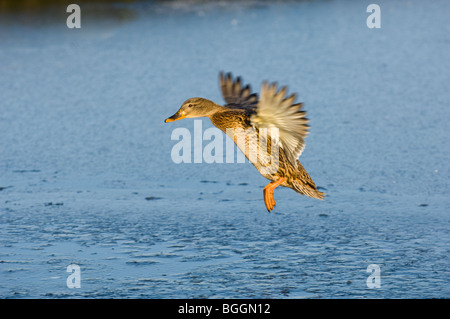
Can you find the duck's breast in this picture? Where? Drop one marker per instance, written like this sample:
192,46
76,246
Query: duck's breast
256,148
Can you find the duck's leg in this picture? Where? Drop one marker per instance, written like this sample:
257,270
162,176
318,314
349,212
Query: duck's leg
268,193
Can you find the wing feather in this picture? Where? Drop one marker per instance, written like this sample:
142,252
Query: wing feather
235,95
274,109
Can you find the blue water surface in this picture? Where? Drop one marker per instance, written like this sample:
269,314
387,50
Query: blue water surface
87,178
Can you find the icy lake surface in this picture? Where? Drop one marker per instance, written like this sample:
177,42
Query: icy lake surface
86,175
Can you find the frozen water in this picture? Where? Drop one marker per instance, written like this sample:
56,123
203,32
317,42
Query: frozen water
86,175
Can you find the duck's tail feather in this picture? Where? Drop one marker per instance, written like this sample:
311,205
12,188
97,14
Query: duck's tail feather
308,189
302,183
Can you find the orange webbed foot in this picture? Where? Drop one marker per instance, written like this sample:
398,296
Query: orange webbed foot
268,193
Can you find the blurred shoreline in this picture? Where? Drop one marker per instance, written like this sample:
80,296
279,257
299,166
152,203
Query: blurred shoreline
49,12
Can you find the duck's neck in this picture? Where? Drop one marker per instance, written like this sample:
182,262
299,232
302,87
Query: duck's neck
212,108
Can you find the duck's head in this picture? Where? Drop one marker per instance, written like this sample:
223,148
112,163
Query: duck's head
195,107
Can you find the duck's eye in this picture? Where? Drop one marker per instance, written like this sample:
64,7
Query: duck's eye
190,105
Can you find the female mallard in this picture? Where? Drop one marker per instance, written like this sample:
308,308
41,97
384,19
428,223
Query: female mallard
270,131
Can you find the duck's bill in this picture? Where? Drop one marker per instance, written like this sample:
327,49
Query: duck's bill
177,116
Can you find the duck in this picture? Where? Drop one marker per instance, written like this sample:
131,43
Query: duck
269,129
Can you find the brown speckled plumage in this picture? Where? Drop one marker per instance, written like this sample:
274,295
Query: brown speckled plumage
244,112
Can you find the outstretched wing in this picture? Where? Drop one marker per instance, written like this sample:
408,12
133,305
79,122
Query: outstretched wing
235,95
274,109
